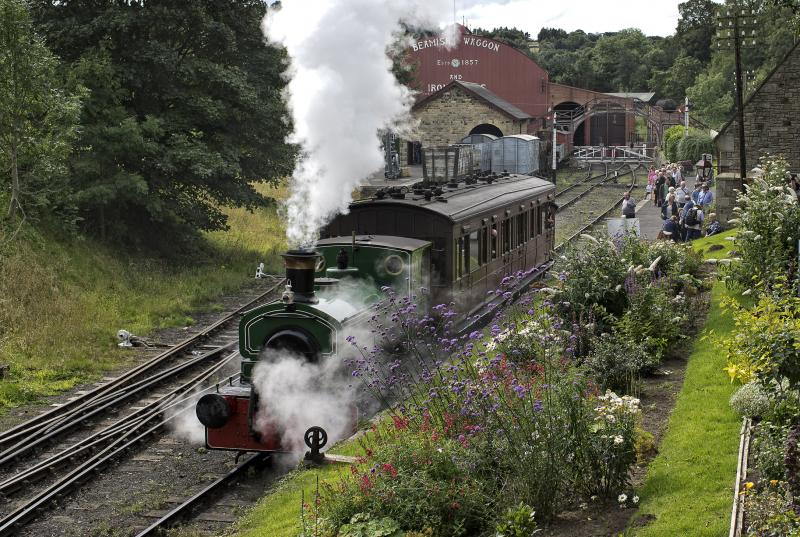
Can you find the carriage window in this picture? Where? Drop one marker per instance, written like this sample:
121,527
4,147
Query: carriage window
521,238
473,252
550,219
483,256
506,232
494,241
458,264
539,216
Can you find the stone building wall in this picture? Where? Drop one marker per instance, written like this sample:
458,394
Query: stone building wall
771,121
451,116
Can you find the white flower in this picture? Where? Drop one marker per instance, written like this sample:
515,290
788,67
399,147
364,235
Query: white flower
622,498
439,450
618,440
635,499
610,418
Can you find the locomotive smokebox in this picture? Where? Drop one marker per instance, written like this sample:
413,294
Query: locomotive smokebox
300,268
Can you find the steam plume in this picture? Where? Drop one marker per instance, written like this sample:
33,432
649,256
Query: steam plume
341,93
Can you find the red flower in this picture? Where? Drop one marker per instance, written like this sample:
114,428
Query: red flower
434,436
400,423
389,469
455,505
369,452
365,483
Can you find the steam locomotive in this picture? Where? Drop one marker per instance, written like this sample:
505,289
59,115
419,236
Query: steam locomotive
458,240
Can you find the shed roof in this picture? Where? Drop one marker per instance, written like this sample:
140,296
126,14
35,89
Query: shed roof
642,96
481,93
469,200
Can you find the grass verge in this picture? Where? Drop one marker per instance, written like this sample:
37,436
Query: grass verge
278,513
689,484
62,299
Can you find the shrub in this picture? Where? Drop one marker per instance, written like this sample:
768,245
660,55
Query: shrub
672,137
616,361
770,512
645,445
750,400
517,522
693,146
768,445
764,346
411,476
654,319
769,218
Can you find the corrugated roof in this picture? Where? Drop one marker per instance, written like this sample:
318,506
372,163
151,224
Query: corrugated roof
642,96
483,94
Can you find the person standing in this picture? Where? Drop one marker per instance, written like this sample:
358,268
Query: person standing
658,197
681,194
669,208
706,198
628,206
696,193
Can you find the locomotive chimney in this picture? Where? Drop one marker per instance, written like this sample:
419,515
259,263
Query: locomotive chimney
300,268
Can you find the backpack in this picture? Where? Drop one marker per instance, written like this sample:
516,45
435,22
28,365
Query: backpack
691,217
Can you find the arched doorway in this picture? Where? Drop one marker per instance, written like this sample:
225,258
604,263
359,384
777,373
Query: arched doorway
487,128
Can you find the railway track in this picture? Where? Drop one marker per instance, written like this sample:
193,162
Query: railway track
91,437
591,184
604,214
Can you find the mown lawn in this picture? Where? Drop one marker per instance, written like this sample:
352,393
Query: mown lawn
62,299
689,485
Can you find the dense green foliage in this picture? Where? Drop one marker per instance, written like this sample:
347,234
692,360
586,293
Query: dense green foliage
38,117
694,146
769,219
184,113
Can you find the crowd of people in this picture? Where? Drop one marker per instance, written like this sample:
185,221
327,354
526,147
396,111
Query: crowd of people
684,211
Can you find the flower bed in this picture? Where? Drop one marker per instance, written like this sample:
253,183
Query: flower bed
763,352
503,431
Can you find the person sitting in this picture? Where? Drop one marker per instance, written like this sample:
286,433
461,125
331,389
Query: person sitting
670,207
714,226
693,222
670,229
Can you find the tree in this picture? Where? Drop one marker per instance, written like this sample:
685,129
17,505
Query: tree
672,83
696,27
38,115
185,112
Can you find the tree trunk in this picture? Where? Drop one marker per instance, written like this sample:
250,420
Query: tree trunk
14,203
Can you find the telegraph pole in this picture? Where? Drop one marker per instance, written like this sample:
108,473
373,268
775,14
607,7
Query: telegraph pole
732,29
686,117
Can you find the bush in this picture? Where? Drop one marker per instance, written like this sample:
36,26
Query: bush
768,446
517,522
769,218
415,477
672,137
693,146
750,401
770,512
764,346
654,318
616,361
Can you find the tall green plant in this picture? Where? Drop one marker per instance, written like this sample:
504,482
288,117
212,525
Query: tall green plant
693,146
38,115
671,139
769,218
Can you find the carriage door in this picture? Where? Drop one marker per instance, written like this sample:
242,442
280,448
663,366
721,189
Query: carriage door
506,238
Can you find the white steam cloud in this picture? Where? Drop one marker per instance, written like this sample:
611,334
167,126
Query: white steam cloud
296,394
341,93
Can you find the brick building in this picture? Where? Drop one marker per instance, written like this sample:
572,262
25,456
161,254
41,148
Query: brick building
771,120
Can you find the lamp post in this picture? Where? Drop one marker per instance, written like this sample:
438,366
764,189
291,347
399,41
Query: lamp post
735,28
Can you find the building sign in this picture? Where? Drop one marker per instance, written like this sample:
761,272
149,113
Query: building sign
467,40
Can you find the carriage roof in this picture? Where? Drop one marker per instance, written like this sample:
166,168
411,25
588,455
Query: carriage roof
469,200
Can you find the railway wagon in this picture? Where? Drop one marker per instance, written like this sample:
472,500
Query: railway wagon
459,241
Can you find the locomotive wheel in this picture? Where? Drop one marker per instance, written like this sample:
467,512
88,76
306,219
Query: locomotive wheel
315,438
